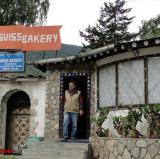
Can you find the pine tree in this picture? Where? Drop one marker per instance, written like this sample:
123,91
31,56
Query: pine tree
150,28
112,26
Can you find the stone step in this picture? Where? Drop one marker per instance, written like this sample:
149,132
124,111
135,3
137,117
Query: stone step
46,157
51,157
55,156
50,149
55,150
77,141
63,143
62,147
71,144
62,152
68,156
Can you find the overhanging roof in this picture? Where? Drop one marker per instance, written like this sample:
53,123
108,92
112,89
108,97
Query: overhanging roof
31,71
101,52
71,58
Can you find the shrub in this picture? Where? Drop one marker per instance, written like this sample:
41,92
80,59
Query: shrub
99,120
126,126
152,115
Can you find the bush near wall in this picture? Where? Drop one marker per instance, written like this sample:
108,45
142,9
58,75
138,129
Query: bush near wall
126,126
132,144
99,120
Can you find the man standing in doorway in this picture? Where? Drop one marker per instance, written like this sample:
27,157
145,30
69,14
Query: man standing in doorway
72,107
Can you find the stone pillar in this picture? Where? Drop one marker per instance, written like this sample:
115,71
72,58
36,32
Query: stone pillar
93,102
52,107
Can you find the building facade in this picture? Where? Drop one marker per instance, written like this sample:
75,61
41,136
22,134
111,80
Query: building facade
112,76
116,77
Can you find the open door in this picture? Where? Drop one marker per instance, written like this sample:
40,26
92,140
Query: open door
83,84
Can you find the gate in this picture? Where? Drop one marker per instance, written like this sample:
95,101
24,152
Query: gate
18,126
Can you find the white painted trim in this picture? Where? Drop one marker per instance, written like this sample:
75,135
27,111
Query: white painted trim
128,55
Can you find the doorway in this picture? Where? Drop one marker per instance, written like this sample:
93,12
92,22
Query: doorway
82,81
17,119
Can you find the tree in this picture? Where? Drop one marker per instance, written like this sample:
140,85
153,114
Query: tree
28,12
150,28
112,26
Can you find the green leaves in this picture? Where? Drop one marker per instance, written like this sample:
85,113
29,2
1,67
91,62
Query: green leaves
99,120
102,116
151,109
134,117
26,12
152,115
150,28
126,126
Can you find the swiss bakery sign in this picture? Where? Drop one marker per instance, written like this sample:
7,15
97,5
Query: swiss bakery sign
30,38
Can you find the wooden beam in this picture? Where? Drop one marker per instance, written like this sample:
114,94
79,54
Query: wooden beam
146,80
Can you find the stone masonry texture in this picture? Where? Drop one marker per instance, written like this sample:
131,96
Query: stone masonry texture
125,148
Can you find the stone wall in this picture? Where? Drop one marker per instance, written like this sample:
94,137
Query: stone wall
52,105
53,95
125,148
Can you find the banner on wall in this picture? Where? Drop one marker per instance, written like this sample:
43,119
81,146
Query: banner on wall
23,38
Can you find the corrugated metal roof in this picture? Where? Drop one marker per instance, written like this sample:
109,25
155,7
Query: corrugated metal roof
32,71
66,50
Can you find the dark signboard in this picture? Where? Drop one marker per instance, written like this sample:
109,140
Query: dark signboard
12,62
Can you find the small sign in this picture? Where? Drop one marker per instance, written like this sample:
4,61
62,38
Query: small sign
12,62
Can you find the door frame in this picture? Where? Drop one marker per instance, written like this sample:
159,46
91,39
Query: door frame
61,107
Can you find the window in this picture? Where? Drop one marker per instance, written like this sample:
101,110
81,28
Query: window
154,80
107,94
131,82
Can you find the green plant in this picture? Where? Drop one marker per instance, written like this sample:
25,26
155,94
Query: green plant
152,115
126,126
120,125
99,120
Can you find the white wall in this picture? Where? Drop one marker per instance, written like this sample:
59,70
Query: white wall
40,93
36,91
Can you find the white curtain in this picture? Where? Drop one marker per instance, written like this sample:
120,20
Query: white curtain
154,80
131,82
107,86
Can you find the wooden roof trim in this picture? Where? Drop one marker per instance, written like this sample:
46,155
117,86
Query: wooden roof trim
101,52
